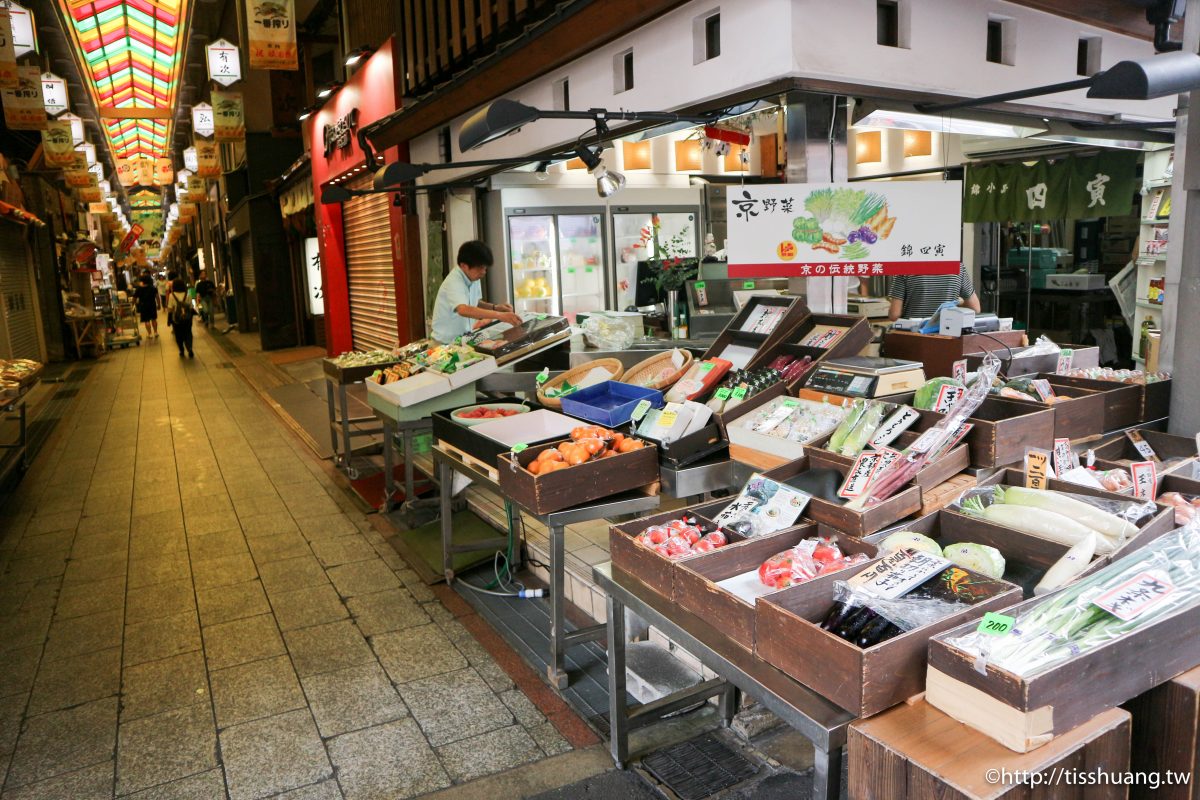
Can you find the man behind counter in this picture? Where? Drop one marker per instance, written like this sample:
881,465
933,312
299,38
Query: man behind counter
915,296
459,306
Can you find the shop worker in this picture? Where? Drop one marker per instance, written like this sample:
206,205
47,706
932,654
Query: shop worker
918,296
459,306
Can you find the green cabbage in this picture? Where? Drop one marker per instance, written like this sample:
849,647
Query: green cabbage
910,540
928,393
976,557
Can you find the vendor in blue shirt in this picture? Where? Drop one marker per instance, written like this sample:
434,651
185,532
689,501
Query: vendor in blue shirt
459,306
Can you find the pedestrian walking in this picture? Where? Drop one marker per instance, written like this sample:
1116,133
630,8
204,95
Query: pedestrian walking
205,289
146,297
164,289
181,311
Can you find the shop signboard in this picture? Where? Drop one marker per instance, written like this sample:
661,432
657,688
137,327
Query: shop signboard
78,178
271,25
187,211
224,62
189,159
56,144
135,231
202,119
845,229
23,108
229,118
8,55
125,172
1078,187
76,127
98,208
312,267
196,192
208,165
24,40
54,94
89,194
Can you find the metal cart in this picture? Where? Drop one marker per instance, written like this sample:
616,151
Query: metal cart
123,329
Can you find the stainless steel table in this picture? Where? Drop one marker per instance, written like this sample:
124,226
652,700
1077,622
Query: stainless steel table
814,717
408,432
338,404
628,503
17,407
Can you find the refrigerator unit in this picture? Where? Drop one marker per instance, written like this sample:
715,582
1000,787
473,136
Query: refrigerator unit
556,261
628,223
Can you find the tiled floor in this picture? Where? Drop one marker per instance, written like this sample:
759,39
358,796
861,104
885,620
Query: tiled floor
191,608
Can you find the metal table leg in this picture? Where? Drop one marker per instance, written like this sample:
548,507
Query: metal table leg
344,411
389,479
329,405
727,704
618,720
446,480
827,774
407,434
554,670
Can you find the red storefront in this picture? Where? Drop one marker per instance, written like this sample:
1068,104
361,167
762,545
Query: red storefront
367,286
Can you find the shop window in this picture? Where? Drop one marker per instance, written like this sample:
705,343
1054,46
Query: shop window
1001,40
887,23
445,152
562,95
1087,59
623,71
706,36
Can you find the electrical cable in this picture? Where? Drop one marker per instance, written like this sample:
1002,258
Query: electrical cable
1002,344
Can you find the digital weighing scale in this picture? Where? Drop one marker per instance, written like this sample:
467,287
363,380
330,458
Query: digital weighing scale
863,376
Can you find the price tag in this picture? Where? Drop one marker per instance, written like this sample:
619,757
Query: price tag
1145,480
701,294
706,367
791,403
724,392
947,396
520,447
1137,595
897,573
1036,469
1064,457
542,376
747,284
1043,389
994,624
570,270
739,393
589,269
667,419
897,423
860,474
952,441
640,410
1142,446
959,370
1065,357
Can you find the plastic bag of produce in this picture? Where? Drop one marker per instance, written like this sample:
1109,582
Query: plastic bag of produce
805,561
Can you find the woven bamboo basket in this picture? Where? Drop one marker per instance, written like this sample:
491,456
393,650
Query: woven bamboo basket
612,365
652,366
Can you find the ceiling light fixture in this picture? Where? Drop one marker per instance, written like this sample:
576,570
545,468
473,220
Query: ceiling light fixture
328,89
608,182
357,55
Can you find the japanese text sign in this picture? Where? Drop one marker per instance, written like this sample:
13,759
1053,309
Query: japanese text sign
224,62
271,28
228,116
8,56
56,144
1137,595
852,230
312,261
898,573
24,39
23,107
203,123
54,94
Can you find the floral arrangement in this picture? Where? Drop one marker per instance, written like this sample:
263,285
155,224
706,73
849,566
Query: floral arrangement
670,268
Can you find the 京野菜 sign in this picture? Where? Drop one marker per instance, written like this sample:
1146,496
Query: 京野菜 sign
850,229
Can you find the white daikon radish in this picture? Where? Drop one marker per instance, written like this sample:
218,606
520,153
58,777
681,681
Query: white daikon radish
1067,568
1037,522
1102,522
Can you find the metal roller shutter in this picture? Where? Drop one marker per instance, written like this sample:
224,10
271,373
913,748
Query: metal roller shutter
16,292
247,255
373,321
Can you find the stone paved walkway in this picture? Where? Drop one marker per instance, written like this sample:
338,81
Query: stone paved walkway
191,608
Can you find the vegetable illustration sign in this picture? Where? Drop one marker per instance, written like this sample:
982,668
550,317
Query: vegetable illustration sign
855,229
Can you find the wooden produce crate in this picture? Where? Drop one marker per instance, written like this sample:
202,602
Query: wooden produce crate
1021,364
945,493
846,520
1121,452
1077,417
1024,713
768,452
856,334
915,752
1122,401
1166,737
733,335
696,589
592,480
1002,430
933,474
863,681
655,571
1160,523
938,353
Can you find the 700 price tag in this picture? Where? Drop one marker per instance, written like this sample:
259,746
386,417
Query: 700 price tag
994,624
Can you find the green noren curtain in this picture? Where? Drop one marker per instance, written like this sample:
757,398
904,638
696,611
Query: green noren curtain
1073,188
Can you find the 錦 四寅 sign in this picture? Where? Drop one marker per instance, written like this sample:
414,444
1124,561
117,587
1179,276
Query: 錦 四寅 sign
847,229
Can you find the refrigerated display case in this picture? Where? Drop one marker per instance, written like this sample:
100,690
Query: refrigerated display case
533,257
628,224
581,263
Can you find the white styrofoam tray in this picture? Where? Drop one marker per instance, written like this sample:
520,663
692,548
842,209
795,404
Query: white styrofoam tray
536,426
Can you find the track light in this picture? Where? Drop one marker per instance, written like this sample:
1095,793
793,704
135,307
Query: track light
328,89
608,182
305,114
354,57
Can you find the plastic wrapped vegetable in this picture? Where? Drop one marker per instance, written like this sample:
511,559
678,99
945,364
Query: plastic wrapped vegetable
910,540
927,395
979,558
1186,509
864,430
855,414
805,561
1067,568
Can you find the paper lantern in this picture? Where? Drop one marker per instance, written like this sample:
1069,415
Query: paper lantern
687,155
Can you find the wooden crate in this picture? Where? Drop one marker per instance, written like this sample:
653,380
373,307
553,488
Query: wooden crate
1003,429
857,335
915,752
1077,417
1021,364
1023,713
1122,401
836,515
938,353
1166,737
1166,446
655,571
696,589
543,494
863,681
794,312
933,474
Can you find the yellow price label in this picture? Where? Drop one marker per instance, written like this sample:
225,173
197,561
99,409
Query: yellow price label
667,418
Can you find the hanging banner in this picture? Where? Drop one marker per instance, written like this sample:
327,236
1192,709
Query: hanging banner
224,62
272,34
187,211
1102,185
89,194
1086,187
54,94
208,164
857,229
76,127
77,178
23,109
56,144
8,55
229,123
202,119
98,208
24,40
125,172
164,172
135,231
312,267
196,190
1040,191
189,158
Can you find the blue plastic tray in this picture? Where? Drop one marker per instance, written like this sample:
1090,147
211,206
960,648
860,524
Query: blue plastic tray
610,403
